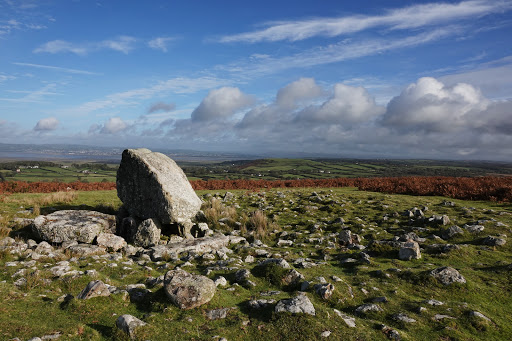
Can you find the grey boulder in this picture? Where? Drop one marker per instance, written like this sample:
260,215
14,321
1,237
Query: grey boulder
147,234
151,185
186,290
300,304
94,289
111,241
68,225
447,275
128,324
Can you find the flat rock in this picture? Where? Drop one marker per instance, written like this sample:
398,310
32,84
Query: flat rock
349,320
94,289
111,241
68,225
197,245
447,275
300,304
151,185
186,290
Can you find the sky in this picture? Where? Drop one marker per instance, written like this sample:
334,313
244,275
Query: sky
365,79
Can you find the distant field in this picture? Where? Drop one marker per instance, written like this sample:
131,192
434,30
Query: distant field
266,169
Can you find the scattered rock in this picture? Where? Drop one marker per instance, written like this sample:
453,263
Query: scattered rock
349,320
367,308
217,314
147,234
325,291
186,290
447,275
129,324
111,241
94,289
410,250
300,304
493,241
401,317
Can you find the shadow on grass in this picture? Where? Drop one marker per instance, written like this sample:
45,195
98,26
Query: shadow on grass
105,331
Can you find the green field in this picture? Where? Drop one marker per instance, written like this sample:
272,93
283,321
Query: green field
306,219
268,169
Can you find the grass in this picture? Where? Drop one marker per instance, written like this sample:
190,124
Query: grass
307,221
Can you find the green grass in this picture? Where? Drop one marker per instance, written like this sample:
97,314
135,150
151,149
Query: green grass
34,311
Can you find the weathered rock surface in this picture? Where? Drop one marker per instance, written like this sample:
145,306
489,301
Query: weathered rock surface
128,324
409,250
94,289
197,245
186,290
447,275
111,241
147,234
300,304
67,225
151,185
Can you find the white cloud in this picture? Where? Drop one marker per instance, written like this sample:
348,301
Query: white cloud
4,78
160,43
57,46
333,53
47,124
124,44
298,91
161,106
221,103
411,17
114,125
430,106
57,68
347,106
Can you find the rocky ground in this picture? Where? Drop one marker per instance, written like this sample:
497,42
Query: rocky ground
282,264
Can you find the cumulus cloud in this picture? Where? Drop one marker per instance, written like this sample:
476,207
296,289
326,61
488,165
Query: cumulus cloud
221,103
114,125
295,92
161,106
429,105
47,124
348,105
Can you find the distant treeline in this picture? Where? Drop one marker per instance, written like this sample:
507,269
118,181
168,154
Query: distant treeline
476,188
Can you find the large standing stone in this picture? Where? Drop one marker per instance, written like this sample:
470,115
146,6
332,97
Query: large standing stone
188,291
151,185
82,226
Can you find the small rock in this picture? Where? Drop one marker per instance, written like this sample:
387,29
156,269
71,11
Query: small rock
129,324
217,314
410,250
349,320
94,289
401,317
368,307
447,275
297,305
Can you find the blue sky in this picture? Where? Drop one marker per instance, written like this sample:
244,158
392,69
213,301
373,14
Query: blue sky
409,79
